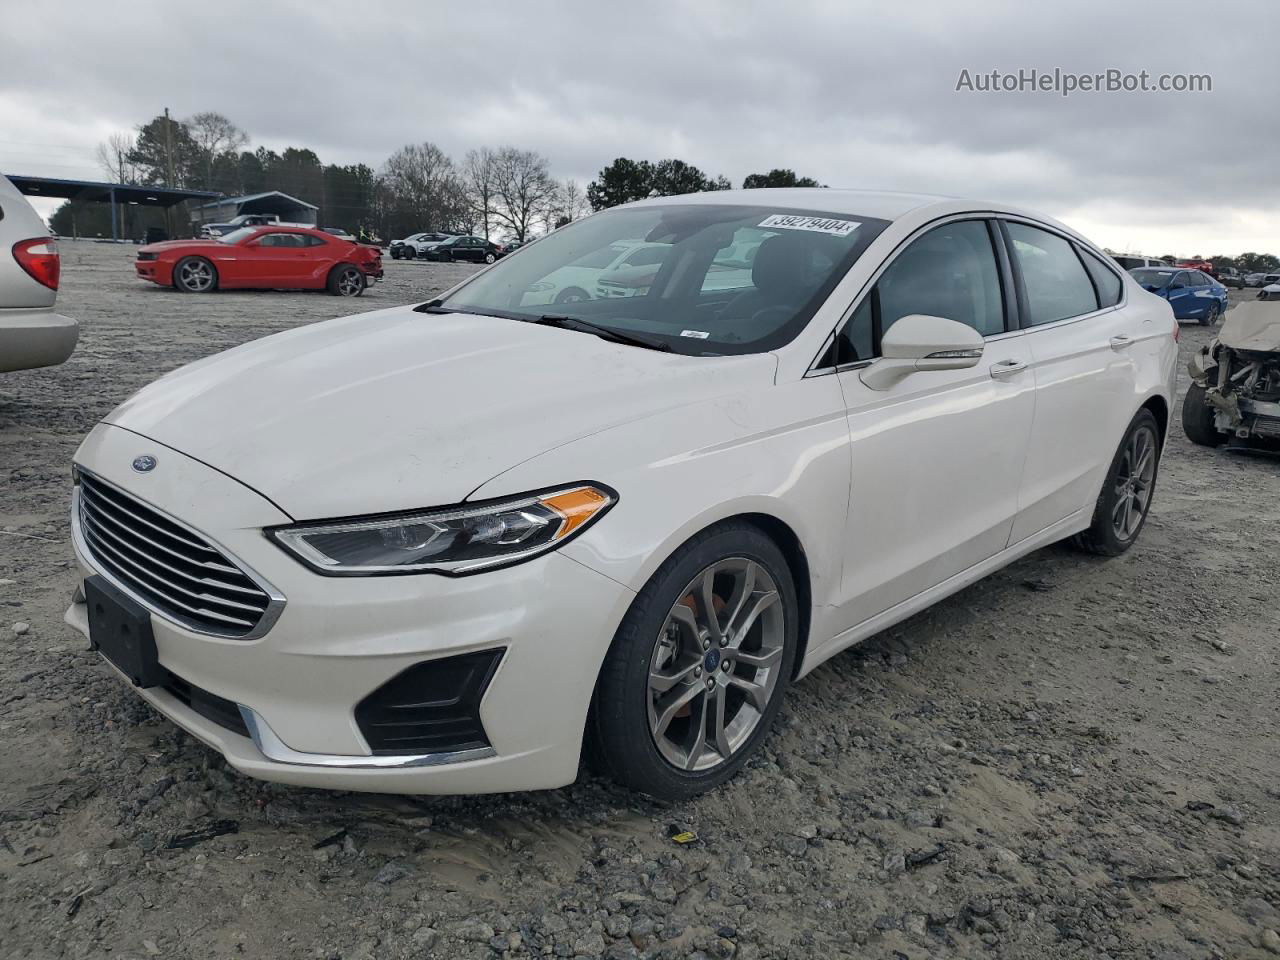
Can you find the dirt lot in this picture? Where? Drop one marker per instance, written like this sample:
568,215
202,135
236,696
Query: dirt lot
1074,758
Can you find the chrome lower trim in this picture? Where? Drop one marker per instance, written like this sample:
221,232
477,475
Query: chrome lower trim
276,750
276,600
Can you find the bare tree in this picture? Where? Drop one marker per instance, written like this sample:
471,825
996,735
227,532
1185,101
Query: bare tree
214,135
478,175
422,188
113,158
523,188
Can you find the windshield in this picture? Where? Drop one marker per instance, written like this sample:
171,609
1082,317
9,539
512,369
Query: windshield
235,236
1153,279
700,278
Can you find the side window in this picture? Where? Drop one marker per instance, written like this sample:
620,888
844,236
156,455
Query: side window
314,241
1198,279
269,240
1104,279
1056,283
949,272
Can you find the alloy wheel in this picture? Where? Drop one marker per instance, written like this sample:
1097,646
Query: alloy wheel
1134,482
350,283
715,664
195,275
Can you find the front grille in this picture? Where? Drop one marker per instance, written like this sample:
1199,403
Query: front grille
167,566
209,705
433,707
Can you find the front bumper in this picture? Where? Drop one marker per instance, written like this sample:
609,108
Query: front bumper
336,640
31,338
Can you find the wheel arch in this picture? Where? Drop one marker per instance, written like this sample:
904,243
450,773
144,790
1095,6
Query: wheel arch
1159,408
797,559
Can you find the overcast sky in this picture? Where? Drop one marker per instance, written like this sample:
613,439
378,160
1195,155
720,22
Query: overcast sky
856,95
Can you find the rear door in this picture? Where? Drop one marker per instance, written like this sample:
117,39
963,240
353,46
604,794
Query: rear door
1080,341
936,459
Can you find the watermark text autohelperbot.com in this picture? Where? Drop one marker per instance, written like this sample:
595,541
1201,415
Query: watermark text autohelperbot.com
1065,83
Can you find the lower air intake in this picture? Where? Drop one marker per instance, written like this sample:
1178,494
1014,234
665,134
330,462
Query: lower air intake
432,707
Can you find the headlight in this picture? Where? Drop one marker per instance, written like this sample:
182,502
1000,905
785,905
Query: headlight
454,541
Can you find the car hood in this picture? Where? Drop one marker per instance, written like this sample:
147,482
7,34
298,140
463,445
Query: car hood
180,245
1253,326
398,410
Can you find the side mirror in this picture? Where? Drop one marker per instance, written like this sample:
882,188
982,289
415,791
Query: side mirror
920,342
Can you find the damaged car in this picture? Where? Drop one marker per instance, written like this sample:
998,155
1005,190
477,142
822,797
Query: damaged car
1235,388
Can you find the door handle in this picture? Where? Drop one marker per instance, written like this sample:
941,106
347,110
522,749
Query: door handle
1007,368
1120,342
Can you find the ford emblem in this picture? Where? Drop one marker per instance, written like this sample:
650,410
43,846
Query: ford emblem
144,464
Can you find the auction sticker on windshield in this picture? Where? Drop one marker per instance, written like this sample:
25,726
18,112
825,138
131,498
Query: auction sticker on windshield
836,228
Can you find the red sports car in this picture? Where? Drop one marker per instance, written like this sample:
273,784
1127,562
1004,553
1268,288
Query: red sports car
270,257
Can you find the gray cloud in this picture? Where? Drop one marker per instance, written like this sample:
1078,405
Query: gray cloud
849,93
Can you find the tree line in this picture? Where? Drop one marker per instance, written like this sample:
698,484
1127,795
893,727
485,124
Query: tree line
501,190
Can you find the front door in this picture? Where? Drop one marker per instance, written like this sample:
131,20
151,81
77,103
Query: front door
936,460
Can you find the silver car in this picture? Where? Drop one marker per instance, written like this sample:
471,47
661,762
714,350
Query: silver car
31,333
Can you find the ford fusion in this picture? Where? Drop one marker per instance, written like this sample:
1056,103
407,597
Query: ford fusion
452,547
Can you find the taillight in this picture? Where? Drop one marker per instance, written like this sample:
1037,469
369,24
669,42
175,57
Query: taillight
39,257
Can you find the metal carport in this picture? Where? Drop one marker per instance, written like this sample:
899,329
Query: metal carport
112,193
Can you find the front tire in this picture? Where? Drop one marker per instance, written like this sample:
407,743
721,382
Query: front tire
1122,507
1197,418
698,667
346,281
195,275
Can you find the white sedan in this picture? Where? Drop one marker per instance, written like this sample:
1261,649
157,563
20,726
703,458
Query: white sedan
443,548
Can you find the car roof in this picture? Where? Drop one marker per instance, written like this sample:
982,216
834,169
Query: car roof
884,205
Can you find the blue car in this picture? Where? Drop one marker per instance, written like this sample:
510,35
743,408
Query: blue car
1192,294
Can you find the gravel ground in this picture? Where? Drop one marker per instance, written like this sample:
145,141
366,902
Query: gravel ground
1073,758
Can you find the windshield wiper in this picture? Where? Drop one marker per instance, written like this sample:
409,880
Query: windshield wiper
606,333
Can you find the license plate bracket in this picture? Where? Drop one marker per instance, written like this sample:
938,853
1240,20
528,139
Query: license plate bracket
120,630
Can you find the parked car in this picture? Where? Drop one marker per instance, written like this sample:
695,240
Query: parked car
1270,292
1204,266
473,249
1230,277
340,233
1131,261
273,257
1235,380
432,549
31,333
1253,279
212,231
409,247
1192,294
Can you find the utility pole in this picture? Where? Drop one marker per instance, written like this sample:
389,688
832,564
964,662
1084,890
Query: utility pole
168,163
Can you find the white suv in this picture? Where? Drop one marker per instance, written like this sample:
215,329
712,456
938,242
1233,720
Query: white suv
31,334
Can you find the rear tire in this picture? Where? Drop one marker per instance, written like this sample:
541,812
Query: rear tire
489,258
346,281
671,673
195,275
1210,318
1197,419
1122,507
